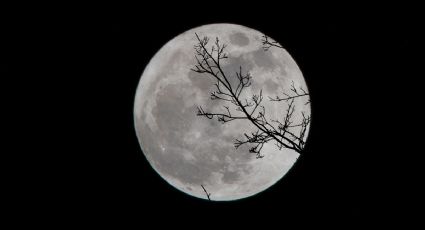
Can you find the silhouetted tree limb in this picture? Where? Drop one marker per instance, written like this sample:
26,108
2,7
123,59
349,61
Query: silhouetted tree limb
208,194
295,93
268,42
285,133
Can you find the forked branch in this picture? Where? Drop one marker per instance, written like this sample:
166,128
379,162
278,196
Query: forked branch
300,92
268,43
285,134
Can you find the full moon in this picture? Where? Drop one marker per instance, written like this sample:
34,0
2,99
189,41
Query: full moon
193,153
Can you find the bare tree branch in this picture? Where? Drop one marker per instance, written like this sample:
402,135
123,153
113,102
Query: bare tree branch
295,93
268,43
285,133
208,194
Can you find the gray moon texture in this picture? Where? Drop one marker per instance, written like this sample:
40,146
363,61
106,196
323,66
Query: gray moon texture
187,150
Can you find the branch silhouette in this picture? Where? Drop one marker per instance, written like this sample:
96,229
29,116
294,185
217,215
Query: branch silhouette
208,194
268,43
295,93
284,134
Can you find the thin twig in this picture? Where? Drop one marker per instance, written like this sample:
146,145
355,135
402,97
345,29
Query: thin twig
208,194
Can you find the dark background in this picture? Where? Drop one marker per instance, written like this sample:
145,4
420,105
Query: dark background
79,69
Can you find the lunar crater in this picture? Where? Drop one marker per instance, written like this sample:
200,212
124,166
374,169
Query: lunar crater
239,39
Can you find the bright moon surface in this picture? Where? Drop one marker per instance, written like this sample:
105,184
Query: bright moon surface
187,150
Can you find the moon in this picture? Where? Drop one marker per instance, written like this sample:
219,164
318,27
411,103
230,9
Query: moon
187,150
